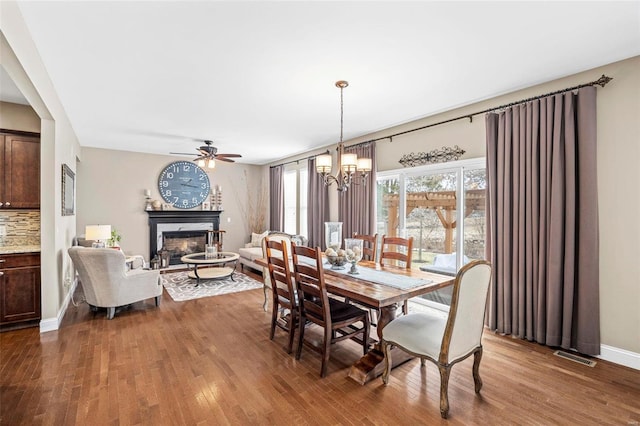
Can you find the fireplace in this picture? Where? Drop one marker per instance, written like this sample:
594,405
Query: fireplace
180,243
180,232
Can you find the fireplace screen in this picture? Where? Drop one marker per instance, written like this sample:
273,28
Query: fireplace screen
179,243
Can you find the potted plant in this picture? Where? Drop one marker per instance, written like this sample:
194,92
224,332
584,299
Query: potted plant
114,241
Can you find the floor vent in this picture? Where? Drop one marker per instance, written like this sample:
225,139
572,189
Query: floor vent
575,358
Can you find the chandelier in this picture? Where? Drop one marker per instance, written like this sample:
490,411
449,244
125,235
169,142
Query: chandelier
350,167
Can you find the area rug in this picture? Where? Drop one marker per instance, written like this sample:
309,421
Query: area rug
180,287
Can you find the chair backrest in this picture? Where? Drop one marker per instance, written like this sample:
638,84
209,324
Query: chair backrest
309,278
277,255
369,247
100,270
464,327
390,250
283,238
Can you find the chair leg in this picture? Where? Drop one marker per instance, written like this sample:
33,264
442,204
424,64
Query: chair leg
326,351
422,362
405,307
477,357
293,322
444,390
301,323
111,313
158,300
386,349
274,318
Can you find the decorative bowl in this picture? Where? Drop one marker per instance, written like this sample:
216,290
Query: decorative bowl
337,262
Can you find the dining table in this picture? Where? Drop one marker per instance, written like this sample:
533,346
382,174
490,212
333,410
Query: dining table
383,288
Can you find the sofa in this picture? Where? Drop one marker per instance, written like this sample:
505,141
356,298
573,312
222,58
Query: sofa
253,249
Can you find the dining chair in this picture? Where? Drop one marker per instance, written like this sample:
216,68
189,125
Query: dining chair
282,289
370,246
338,319
445,339
390,252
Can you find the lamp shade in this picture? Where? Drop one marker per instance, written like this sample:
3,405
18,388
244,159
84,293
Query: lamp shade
364,164
349,162
323,163
98,232
211,163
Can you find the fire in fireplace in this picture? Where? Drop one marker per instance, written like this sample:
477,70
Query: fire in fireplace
180,243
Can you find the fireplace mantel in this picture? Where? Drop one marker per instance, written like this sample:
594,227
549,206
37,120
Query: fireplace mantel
178,216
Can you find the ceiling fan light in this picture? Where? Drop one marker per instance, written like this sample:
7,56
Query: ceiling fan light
201,162
211,163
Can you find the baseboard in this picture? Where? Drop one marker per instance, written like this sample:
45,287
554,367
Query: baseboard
52,324
620,356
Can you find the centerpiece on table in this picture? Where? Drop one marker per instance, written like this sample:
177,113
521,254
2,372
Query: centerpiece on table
353,252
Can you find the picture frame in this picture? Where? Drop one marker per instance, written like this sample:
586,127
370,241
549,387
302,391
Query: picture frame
206,205
68,191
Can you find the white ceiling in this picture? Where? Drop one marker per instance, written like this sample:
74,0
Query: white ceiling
258,77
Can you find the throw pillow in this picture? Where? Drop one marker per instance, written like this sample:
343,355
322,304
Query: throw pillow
256,239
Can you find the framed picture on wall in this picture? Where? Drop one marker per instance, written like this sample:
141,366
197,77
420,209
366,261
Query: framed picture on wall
68,191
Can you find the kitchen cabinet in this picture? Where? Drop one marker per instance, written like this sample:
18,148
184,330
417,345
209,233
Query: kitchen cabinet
20,176
19,290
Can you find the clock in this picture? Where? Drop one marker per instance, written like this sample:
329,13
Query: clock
183,184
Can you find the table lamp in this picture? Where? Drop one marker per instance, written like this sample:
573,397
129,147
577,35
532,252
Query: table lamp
98,233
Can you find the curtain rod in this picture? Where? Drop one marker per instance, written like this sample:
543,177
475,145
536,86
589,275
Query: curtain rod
602,81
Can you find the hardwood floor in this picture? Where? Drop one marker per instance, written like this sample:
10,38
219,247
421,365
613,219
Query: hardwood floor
210,361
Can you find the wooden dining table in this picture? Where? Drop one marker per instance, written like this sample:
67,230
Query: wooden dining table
384,298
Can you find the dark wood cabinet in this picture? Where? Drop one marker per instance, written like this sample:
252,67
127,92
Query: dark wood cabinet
19,290
20,176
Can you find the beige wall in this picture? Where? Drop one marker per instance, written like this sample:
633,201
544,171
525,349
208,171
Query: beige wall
110,190
18,117
58,145
618,180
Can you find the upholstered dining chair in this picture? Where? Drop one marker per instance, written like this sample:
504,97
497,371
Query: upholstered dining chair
370,246
338,319
107,283
394,250
285,311
445,339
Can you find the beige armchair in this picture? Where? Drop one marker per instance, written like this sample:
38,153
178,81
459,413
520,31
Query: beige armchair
106,281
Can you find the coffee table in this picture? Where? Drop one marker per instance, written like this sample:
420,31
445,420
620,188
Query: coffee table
221,259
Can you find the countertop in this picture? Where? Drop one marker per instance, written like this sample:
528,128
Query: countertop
19,249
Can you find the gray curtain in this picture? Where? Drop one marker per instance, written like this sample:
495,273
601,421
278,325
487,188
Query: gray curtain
276,192
542,221
356,206
317,207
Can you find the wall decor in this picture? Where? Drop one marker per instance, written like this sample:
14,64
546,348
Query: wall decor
436,156
68,191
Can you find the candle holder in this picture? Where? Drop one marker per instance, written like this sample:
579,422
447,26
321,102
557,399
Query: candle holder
353,252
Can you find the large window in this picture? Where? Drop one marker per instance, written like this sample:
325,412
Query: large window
295,199
442,207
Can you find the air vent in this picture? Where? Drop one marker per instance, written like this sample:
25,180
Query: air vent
575,358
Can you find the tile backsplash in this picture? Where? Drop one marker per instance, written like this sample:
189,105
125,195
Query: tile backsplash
19,227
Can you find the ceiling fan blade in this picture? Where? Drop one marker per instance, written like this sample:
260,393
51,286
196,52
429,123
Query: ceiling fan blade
181,153
227,160
228,155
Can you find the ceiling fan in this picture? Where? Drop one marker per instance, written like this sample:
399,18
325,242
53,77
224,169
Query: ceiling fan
207,154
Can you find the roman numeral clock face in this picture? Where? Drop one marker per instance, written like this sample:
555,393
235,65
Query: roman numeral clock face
183,184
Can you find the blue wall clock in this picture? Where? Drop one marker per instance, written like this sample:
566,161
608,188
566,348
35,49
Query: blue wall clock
183,184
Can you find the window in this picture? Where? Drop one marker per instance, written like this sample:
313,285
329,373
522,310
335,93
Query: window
295,199
442,206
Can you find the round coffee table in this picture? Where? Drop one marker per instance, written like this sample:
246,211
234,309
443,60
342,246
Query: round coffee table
221,259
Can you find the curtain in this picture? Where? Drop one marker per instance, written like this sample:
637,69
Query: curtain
317,207
542,221
356,206
276,191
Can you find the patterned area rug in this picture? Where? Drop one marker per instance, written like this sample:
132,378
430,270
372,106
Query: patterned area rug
180,287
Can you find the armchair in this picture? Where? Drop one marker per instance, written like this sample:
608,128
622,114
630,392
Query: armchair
106,281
